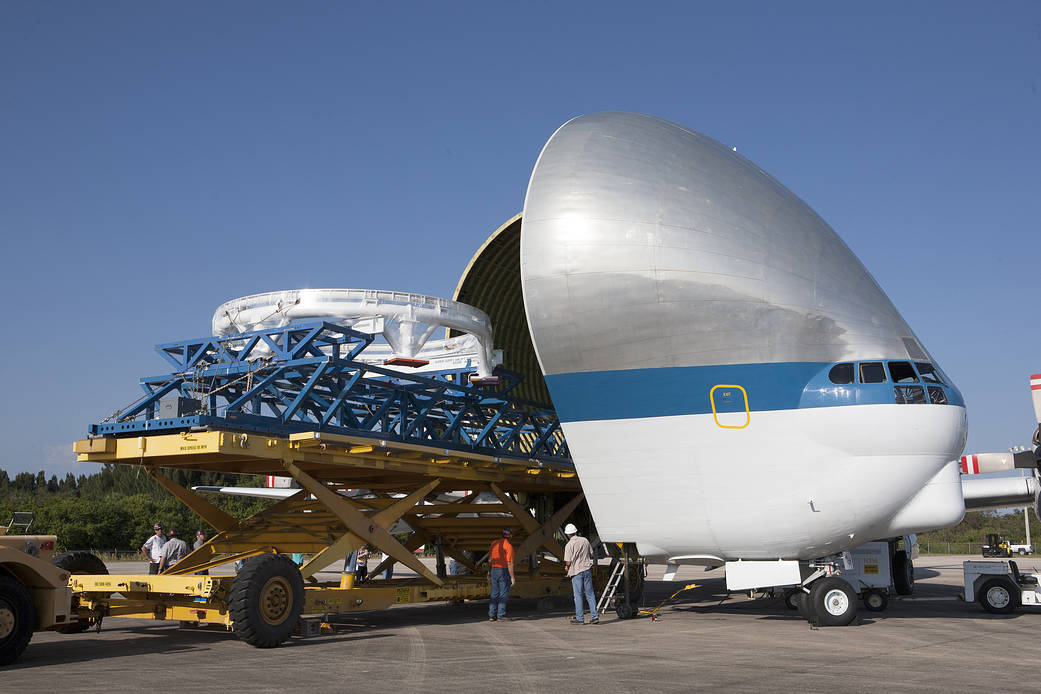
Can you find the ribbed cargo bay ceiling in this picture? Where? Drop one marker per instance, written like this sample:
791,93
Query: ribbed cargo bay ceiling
492,283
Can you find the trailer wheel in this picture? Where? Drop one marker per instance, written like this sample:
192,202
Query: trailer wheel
834,601
625,610
80,562
875,600
17,619
998,596
267,598
903,573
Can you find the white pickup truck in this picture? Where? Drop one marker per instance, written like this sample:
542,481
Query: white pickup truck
1020,549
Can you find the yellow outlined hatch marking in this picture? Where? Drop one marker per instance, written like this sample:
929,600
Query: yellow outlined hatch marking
712,399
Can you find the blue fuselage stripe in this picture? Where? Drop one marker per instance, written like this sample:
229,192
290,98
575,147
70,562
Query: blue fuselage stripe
669,391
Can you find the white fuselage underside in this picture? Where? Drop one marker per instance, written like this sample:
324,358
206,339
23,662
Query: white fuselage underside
793,484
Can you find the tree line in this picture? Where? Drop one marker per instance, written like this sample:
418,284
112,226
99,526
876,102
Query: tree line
113,510
977,524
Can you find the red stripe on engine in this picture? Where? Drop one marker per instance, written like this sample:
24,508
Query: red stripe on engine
964,466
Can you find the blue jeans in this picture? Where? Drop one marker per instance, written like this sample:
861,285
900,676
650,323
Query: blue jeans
500,592
583,583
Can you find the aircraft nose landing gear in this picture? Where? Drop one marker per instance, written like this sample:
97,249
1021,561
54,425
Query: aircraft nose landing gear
833,601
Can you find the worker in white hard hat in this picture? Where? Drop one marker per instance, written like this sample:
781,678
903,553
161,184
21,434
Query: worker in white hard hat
578,560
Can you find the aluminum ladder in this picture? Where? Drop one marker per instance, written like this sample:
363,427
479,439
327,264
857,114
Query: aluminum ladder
617,573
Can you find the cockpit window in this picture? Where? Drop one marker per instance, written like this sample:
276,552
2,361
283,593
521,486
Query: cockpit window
841,374
901,372
937,396
909,395
929,373
872,372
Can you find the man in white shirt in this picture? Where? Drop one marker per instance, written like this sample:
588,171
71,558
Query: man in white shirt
578,560
153,548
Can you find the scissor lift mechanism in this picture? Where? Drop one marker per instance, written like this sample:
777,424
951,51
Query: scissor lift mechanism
328,526
292,402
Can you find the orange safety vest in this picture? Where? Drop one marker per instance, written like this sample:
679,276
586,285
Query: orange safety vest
501,554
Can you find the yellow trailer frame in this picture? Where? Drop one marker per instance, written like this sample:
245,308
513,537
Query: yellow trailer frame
323,522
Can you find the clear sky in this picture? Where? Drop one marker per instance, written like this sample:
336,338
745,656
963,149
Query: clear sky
157,159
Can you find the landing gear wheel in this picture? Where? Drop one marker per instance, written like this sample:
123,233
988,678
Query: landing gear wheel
267,598
802,603
903,573
79,563
625,610
789,598
998,596
17,619
834,601
875,600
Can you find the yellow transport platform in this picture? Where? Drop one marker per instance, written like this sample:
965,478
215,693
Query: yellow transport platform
264,601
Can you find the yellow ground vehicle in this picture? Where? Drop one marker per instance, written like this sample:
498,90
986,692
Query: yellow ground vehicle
996,546
265,601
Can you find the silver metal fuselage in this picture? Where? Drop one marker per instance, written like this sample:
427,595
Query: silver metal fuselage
686,309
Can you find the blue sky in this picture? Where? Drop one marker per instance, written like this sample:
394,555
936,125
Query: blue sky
161,158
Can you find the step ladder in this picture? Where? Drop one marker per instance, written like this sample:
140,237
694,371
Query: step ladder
617,573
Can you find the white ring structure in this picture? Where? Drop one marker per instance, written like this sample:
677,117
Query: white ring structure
405,320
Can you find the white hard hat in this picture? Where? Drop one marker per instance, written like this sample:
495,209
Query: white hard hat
570,529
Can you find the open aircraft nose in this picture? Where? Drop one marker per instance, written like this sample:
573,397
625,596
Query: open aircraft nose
698,322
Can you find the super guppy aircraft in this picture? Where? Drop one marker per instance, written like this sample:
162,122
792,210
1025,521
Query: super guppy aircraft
734,386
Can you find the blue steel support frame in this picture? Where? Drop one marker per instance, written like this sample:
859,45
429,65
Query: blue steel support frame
305,377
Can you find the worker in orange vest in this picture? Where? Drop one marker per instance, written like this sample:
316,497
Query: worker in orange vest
500,556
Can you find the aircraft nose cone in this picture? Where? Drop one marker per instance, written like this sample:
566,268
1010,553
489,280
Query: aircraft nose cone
646,244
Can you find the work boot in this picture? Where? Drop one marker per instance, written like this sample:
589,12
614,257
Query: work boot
576,622
493,618
595,620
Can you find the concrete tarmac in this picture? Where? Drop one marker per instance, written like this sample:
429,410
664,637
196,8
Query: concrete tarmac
704,640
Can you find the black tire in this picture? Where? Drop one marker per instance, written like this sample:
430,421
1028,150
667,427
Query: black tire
636,583
875,600
801,600
834,601
999,596
1022,552
625,610
80,562
267,599
903,573
789,598
17,619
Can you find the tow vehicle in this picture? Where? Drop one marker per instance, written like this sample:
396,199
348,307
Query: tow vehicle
999,586
34,587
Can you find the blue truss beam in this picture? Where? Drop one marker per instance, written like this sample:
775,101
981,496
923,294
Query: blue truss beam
306,377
